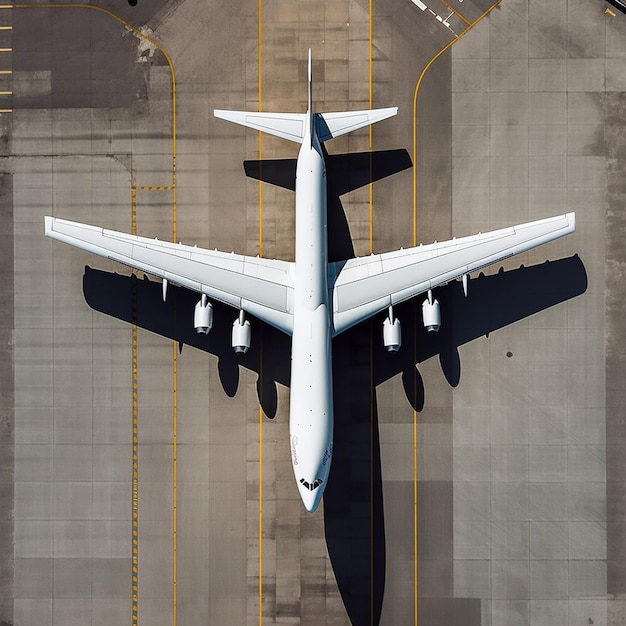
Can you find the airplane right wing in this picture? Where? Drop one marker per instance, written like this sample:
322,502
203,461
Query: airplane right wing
365,286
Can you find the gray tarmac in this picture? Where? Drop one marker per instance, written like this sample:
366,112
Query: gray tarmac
518,401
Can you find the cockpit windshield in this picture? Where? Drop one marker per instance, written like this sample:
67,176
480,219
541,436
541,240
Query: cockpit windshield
311,486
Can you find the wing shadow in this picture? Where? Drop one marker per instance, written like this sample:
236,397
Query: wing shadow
493,302
138,301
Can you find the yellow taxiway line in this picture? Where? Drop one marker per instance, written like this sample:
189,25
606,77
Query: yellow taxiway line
260,187
170,187
417,86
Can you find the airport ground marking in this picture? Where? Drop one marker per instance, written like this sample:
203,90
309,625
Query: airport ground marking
372,398
417,86
459,15
154,187
135,426
260,187
172,188
175,481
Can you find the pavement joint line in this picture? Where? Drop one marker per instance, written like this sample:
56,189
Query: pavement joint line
415,374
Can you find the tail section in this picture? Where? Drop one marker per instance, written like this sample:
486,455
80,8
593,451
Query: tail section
310,116
294,126
332,125
286,125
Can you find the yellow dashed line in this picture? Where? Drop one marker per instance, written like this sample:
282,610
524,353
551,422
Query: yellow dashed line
135,428
175,482
154,187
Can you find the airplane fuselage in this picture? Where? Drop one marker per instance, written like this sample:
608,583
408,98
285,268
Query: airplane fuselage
311,407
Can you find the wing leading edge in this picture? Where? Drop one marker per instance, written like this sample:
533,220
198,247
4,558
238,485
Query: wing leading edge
364,286
261,287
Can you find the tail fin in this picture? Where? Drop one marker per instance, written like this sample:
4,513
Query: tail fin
293,126
310,115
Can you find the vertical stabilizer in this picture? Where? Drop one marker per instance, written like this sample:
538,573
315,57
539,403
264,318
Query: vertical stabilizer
310,78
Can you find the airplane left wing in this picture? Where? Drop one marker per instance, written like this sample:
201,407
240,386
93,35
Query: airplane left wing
364,286
261,287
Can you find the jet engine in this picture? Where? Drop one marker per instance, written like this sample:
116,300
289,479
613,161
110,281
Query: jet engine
203,316
431,313
392,333
241,334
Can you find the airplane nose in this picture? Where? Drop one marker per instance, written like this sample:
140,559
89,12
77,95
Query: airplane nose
310,499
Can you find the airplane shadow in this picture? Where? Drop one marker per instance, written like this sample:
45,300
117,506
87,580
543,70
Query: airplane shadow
353,499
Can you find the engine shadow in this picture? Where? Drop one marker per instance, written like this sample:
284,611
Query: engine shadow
353,506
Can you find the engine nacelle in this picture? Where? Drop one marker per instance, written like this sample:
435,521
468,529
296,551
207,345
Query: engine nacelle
241,335
392,333
203,316
431,313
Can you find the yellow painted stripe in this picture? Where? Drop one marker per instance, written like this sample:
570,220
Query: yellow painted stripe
172,187
6,27
6,93
417,86
456,12
6,71
371,130
260,187
175,483
155,187
6,49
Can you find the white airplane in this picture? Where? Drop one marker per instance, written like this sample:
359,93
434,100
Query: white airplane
311,299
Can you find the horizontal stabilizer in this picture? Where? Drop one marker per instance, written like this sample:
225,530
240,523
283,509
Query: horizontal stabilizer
330,125
285,125
291,126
